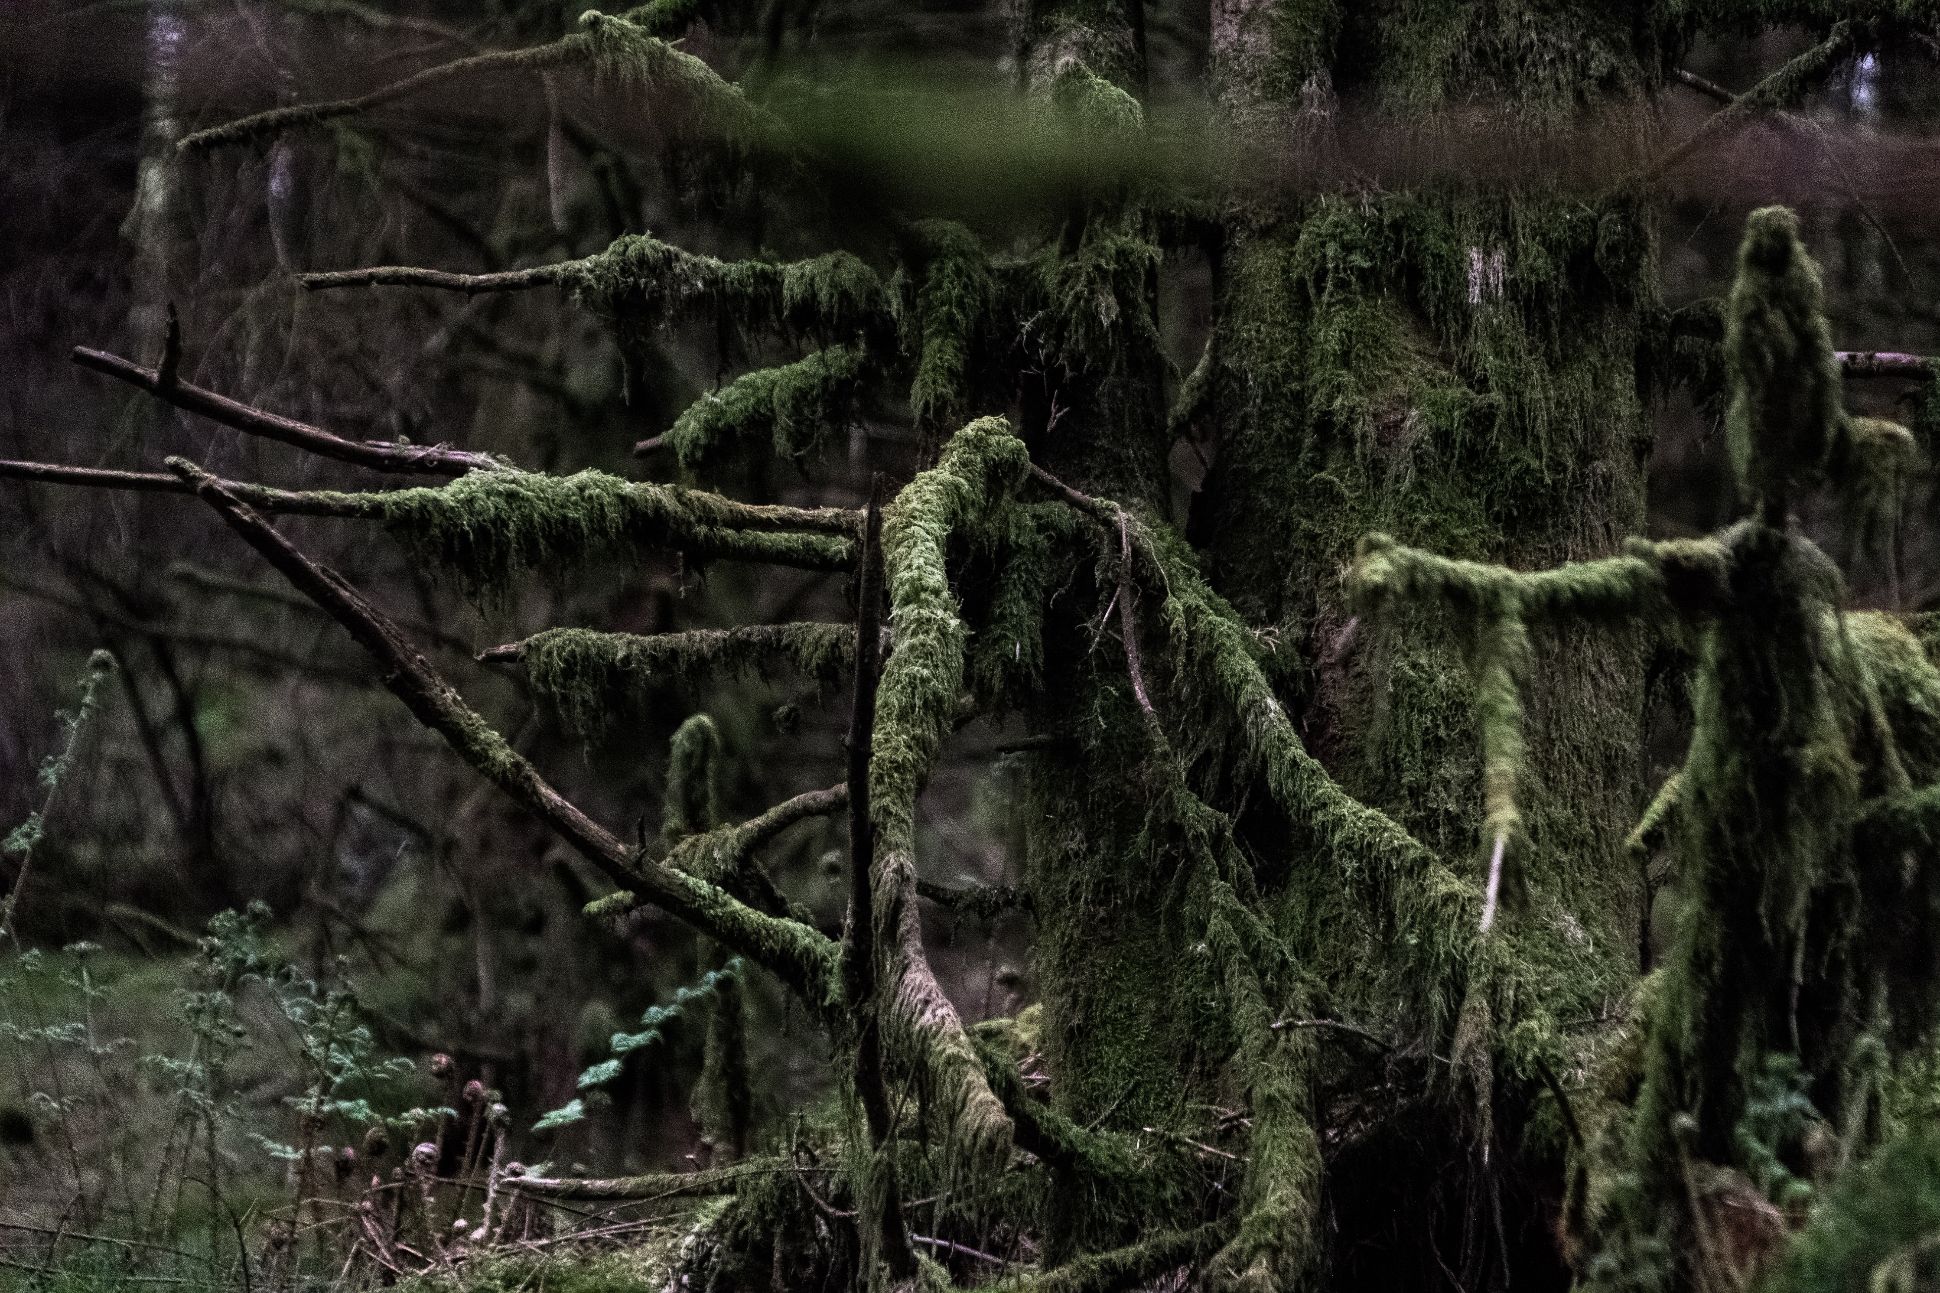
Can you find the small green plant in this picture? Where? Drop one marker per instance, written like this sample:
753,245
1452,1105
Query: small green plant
26,837
653,1025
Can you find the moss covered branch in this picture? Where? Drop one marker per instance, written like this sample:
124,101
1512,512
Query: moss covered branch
580,672
798,407
611,47
799,956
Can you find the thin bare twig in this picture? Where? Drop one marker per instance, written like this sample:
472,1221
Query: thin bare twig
163,384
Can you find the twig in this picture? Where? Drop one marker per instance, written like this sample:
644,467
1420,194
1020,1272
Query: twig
961,1250
162,383
1563,1106
983,900
1352,1030
279,119
1887,363
1128,619
507,280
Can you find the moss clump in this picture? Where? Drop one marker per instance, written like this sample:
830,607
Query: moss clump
1784,415
589,676
692,802
799,406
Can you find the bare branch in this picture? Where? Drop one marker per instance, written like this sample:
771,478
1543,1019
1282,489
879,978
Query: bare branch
650,1186
1887,363
431,460
1787,83
1710,89
1128,619
261,497
509,280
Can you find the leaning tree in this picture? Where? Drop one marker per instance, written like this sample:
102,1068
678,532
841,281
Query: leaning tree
1341,849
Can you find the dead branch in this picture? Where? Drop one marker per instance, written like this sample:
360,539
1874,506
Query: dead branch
432,460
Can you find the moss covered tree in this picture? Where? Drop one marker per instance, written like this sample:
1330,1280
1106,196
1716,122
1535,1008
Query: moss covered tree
1335,884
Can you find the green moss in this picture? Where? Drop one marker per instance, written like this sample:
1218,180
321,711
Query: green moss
1092,103
1536,63
799,406
946,321
490,527
692,802
1784,414
915,709
645,285
589,676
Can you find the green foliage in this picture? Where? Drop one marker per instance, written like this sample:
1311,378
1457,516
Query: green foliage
1874,1232
24,838
716,983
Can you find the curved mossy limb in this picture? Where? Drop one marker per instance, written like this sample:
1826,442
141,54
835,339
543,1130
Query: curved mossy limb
645,284
916,706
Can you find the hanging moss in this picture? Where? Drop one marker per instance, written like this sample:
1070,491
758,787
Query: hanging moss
587,676
1872,465
646,284
491,527
800,406
945,323
1518,58
692,801
628,49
